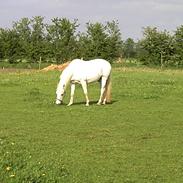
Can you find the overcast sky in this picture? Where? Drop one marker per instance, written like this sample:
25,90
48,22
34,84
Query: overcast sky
132,15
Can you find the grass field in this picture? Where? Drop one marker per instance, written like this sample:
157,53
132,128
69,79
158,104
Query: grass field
136,139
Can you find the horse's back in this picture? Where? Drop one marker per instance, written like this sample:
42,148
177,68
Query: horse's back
102,64
89,70
96,64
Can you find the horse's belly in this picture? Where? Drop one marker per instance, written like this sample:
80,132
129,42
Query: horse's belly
89,77
93,78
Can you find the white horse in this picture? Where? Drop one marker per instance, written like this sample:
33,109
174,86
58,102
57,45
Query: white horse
84,72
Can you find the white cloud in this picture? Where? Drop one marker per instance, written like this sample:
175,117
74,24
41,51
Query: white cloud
131,14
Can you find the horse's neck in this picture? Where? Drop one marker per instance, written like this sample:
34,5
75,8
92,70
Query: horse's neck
66,76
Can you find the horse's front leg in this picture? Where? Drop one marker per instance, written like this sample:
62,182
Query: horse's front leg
84,86
102,91
72,94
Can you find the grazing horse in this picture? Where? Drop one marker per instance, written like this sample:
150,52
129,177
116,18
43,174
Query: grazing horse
84,72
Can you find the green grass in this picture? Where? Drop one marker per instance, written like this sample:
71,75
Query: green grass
136,139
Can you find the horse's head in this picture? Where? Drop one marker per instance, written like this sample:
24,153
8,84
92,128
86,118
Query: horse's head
60,93
61,87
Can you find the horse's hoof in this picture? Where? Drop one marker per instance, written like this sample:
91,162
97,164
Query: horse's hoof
69,105
87,105
98,103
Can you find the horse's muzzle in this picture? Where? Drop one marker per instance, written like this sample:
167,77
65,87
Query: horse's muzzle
58,102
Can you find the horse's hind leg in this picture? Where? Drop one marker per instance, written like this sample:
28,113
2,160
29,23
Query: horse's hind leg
104,97
102,91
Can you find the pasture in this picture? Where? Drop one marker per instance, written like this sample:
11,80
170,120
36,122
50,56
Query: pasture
136,139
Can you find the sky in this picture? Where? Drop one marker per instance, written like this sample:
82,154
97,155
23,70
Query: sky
132,15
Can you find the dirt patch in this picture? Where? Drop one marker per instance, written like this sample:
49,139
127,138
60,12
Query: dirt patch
60,67
51,67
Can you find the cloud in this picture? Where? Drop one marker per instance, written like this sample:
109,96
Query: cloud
131,14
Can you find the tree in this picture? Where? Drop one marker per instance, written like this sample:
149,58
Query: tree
62,38
178,44
37,43
101,41
114,41
10,45
157,47
23,30
1,44
82,46
129,48
95,44
31,39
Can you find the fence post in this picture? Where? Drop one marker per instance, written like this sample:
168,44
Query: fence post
161,59
40,63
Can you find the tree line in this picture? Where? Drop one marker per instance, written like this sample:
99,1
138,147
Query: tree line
28,40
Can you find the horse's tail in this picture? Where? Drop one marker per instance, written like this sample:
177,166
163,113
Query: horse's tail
108,89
